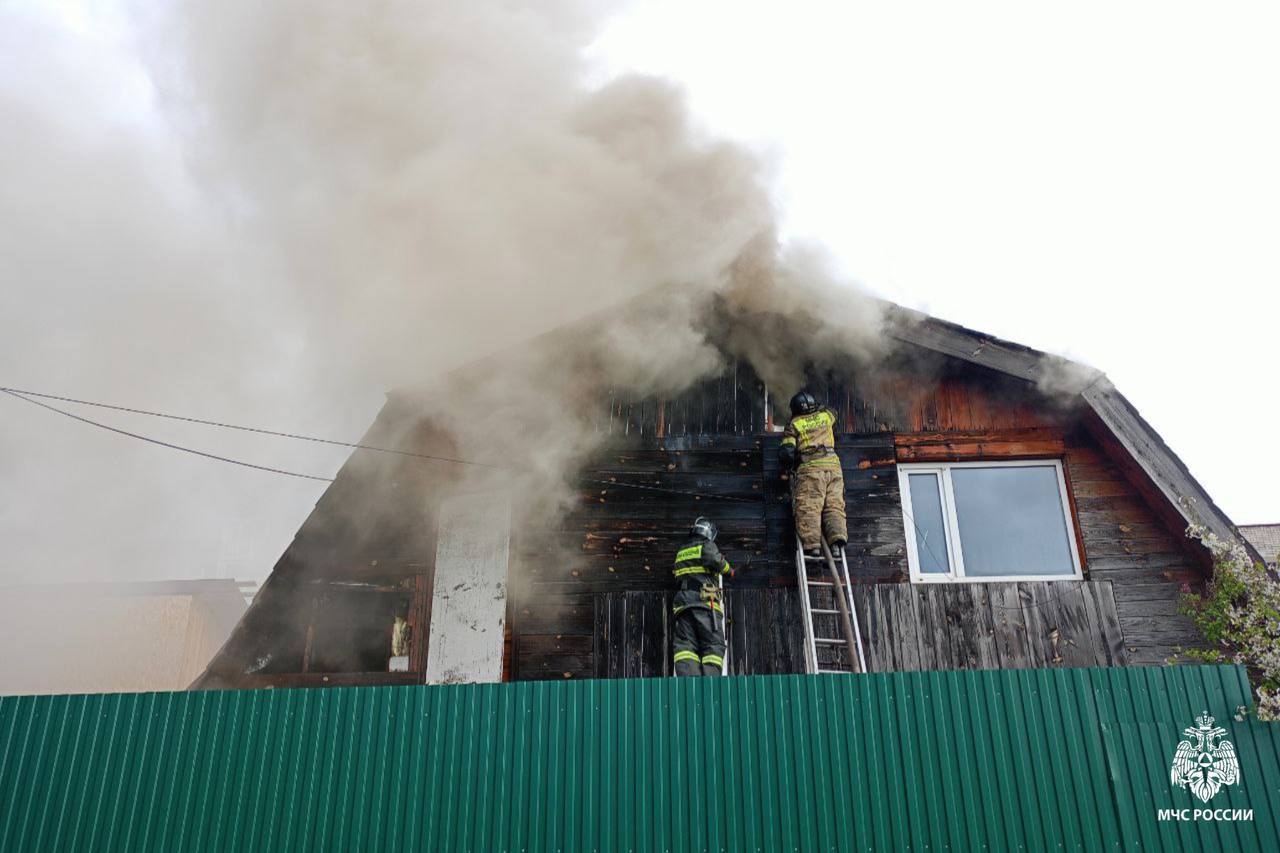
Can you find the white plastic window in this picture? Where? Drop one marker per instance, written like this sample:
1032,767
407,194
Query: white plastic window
981,521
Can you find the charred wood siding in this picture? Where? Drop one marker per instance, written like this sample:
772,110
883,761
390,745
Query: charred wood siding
620,539
633,633
377,521
941,400
877,545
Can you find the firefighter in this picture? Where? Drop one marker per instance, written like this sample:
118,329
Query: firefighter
698,635
817,490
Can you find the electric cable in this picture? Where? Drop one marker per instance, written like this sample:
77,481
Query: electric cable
259,430
167,444
25,395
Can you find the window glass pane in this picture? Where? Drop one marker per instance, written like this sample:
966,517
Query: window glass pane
926,512
1011,521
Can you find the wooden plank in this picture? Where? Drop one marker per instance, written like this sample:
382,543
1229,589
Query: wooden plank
952,451
1077,640
934,633
1011,630
864,607
909,629
1109,645
1035,595
879,627
1043,434
982,651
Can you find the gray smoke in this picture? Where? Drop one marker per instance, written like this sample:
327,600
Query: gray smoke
322,201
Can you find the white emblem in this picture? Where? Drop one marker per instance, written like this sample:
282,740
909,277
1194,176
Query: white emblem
1205,761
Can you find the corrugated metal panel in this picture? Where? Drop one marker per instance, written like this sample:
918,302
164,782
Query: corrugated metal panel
1030,759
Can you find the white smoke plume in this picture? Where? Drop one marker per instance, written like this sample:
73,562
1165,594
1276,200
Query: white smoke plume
322,201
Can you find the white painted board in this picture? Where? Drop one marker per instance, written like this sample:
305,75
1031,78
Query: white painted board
469,603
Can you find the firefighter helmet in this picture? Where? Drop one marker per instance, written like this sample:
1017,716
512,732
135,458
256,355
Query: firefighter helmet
704,527
803,403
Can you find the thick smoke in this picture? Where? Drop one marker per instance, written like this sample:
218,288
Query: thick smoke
321,201
436,183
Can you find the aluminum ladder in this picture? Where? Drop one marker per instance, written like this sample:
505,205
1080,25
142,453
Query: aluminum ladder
813,639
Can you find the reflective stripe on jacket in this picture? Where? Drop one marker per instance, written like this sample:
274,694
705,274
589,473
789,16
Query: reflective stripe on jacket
813,436
697,564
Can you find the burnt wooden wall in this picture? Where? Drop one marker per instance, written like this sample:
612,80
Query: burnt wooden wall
621,540
375,523
632,636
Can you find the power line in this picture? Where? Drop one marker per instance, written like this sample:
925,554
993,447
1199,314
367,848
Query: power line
167,444
24,395
259,430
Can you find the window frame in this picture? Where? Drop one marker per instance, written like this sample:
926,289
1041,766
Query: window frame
950,520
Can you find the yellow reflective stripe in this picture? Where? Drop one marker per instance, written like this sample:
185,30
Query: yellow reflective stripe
691,570
693,656
724,570
714,660
693,552
788,440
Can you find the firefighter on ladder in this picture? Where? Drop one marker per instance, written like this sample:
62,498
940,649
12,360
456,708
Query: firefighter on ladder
817,488
698,635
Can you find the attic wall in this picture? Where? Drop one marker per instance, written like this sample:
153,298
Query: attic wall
1127,543
376,523
620,539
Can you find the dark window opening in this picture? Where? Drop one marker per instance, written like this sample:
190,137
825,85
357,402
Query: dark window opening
361,628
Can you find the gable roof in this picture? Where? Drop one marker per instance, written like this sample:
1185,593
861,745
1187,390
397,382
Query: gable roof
1166,472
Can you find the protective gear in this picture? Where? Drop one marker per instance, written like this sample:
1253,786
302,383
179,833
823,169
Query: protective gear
698,633
817,501
817,490
787,456
699,561
698,640
704,527
803,403
813,440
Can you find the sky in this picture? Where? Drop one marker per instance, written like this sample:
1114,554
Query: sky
1097,180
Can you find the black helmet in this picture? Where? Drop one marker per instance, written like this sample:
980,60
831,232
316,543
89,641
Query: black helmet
803,403
704,527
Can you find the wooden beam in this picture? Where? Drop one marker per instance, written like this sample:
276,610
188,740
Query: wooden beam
995,444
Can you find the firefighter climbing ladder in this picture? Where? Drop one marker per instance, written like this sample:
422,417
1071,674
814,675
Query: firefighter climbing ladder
845,614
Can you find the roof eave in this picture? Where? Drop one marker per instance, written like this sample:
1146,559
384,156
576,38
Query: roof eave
1156,459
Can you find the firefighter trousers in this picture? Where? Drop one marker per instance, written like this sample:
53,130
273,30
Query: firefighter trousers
817,501
698,639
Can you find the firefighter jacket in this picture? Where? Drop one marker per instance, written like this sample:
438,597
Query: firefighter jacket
698,566
813,438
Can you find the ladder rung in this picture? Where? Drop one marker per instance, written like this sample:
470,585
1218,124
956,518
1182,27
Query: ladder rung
818,583
835,672
829,641
824,612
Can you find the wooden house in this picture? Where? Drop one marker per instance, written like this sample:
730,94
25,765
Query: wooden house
993,524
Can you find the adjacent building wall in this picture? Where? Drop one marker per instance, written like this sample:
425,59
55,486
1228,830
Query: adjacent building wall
108,638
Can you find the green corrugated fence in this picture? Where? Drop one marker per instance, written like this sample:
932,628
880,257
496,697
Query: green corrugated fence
1028,759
